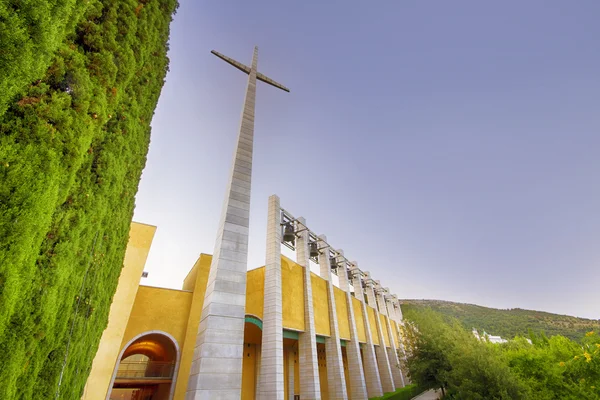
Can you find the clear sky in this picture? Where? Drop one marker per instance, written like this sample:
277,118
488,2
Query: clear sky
452,148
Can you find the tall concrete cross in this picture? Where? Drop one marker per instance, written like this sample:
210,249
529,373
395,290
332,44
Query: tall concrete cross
216,371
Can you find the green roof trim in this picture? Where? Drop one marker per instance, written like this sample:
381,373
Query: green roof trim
290,334
254,320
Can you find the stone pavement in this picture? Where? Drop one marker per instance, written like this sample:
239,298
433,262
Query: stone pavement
429,395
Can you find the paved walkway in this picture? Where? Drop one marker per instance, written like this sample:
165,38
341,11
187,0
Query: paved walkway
429,395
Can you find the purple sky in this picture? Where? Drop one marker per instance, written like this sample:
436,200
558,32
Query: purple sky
451,148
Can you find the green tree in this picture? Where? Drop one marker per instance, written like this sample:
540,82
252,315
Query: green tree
426,356
441,353
445,355
479,370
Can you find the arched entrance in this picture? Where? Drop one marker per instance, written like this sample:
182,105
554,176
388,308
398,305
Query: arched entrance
147,368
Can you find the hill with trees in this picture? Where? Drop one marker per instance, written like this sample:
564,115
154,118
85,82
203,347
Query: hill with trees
441,353
79,82
507,323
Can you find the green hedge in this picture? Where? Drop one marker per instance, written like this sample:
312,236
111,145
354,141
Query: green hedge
72,148
30,33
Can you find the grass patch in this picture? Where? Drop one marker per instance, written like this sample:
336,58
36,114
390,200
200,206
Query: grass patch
405,393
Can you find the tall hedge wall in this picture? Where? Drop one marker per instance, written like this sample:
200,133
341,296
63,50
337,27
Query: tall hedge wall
73,144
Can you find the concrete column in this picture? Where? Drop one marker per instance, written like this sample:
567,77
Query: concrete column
310,387
271,368
291,371
216,370
391,300
333,350
398,309
371,299
372,377
358,387
387,381
392,354
400,348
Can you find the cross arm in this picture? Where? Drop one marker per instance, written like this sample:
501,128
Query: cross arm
231,61
271,82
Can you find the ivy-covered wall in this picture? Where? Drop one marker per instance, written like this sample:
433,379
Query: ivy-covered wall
79,83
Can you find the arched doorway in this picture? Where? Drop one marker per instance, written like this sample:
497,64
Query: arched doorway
147,368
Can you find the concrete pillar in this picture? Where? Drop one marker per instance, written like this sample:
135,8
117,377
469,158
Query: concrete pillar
271,368
371,371
398,309
358,387
393,314
400,348
392,354
216,370
333,350
291,367
387,381
310,387
371,299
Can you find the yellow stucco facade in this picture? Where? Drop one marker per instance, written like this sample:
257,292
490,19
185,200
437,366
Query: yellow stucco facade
341,308
292,293
320,305
360,321
386,336
373,325
255,292
139,311
138,247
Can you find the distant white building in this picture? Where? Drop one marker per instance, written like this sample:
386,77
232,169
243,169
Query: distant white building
489,338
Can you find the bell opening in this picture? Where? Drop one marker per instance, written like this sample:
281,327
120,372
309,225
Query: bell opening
289,234
314,252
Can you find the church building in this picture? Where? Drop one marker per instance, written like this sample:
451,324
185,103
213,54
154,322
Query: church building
146,351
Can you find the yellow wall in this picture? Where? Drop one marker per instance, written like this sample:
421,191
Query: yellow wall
154,310
140,239
249,372
320,305
189,282
394,326
358,318
292,284
372,324
255,292
341,307
386,336
200,270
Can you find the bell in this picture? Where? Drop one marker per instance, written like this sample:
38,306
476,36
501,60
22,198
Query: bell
333,262
314,252
288,234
